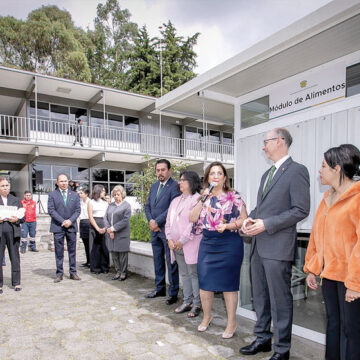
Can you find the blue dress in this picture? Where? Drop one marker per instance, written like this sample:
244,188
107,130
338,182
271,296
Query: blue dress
220,254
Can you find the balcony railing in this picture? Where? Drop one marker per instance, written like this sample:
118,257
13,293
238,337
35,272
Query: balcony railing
45,131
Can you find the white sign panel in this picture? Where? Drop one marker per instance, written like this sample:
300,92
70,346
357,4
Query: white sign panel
308,89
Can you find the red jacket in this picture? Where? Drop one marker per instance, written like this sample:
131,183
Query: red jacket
30,210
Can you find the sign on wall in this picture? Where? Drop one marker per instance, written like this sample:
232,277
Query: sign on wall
307,90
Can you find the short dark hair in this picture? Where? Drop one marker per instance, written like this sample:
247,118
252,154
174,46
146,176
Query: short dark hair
98,188
347,156
285,135
163,161
194,180
206,184
27,192
84,190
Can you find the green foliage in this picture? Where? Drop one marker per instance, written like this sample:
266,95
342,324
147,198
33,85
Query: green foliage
139,228
142,182
116,53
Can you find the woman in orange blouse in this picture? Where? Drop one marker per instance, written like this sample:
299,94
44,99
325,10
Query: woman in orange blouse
334,251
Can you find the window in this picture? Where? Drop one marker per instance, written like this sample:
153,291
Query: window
97,124
227,139
255,112
353,80
117,176
214,136
131,123
100,174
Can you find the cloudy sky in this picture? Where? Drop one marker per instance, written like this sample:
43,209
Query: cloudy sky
227,27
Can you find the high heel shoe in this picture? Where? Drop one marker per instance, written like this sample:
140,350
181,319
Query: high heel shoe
203,328
227,335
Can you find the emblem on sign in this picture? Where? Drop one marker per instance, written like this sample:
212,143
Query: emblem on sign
303,83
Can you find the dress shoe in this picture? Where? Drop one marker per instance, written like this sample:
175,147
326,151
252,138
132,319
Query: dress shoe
171,300
155,294
17,288
35,250
74,277
58,279
123,277
255,347
85,265
278,356
1,290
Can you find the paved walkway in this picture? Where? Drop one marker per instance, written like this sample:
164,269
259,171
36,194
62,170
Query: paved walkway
98,318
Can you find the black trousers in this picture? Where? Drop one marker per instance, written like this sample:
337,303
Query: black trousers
7,239
343,323
84,234
99,257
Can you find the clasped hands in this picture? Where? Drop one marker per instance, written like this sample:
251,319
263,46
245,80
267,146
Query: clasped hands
111,233
12,219
154,226
66,223
174,245
252,227
350,295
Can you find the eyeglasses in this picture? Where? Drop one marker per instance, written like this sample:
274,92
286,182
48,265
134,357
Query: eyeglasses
182,180
267,140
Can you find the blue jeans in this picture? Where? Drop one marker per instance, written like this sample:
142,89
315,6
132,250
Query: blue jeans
28,228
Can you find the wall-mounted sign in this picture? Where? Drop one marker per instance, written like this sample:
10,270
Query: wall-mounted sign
308,89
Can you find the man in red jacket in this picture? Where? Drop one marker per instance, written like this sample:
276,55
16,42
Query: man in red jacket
29,226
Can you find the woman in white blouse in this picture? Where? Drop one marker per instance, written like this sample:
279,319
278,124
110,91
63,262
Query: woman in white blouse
99,254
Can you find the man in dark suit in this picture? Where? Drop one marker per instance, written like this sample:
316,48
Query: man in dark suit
10,233
283,200
160,196
64,208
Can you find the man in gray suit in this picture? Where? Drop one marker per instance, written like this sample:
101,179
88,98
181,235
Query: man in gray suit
283,200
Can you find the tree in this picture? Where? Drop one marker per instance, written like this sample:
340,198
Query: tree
178,61
113,42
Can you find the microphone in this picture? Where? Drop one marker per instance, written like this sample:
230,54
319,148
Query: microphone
212,185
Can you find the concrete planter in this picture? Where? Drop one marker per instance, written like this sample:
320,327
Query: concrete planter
141,259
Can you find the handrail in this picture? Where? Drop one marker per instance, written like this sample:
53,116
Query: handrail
44,131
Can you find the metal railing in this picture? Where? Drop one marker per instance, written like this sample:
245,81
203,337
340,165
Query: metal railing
45,131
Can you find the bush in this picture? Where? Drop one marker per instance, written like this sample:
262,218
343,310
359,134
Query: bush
139,228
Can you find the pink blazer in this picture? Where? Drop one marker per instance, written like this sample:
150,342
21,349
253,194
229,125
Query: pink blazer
179,227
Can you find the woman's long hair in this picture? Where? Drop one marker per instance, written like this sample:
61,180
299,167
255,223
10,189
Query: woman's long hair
97,189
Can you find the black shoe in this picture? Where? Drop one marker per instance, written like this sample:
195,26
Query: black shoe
155,294
1,290
123,277
35,250
106,271
277,356
58,279
255,347
171,300
85,265
17,288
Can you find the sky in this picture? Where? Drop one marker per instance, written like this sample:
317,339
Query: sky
226,27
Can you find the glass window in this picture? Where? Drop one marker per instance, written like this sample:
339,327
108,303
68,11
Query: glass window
255,112
77,113
57,170
100,174
192,133
59,113
131,123
353,80
128,175
42,109
46,170
115,120
78,173
214,136
227,138
97,124
117,176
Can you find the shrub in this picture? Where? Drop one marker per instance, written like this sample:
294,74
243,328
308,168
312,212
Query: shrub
139,228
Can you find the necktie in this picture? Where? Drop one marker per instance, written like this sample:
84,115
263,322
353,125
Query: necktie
64,196
271,174
159,190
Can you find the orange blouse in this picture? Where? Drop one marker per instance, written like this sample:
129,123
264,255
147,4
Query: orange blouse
334,245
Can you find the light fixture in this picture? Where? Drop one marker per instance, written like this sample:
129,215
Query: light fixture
63,90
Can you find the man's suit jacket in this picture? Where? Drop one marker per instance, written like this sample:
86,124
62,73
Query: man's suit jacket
60,212
285,203
157,209
13,201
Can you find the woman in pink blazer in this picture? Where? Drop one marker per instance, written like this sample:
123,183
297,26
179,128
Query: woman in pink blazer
184,245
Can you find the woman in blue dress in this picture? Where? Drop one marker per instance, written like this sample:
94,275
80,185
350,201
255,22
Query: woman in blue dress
219,216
